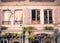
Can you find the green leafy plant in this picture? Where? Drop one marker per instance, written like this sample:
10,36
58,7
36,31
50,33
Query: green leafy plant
49,28
2,28
28,29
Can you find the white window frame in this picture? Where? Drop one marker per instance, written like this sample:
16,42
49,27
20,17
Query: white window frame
35,16
48,16
4,40
22,16
3,17
12,14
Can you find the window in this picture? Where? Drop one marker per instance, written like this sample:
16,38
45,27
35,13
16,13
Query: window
1,41
18,17
47,16
43,0
6,17
11,0
4,41
12,17
35,16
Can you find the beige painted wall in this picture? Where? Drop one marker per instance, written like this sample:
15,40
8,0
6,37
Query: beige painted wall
27,15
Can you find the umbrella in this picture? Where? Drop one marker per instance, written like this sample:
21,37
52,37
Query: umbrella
15,42
41,35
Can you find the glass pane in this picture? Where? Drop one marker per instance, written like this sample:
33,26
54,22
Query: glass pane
38,16
18,16
50,16
33,14
45,17
7,15
5,41
1,41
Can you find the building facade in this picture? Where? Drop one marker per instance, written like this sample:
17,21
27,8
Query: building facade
16,14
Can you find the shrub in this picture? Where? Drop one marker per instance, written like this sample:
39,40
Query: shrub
49,28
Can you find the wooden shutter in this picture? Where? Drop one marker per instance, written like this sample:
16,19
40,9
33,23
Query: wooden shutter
59,15
0,17
56,20
27,16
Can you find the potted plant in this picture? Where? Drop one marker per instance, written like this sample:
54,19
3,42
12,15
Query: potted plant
30,30
24,31
2,28
49,28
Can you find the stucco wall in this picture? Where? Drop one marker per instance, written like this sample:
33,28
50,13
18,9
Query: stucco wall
27,12
27,2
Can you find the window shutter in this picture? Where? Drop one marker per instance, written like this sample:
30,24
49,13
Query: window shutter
0,17
27,16
59,15
56,20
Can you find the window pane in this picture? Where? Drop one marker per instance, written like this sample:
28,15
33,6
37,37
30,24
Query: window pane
50,16
18,16
35,16
45,17
6,18
1,41
5,41
38,16
6,15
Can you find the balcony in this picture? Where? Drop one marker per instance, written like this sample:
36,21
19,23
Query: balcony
18,22
6,22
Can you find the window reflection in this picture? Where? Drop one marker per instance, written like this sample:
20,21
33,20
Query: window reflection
35,16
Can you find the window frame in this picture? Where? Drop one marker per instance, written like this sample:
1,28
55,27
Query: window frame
4,40
36,16
21,22
9,22
48,21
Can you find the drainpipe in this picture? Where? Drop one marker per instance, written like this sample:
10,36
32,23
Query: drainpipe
0,35
24,35
56,35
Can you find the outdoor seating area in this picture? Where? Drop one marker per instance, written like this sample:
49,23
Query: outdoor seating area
10,38
49,35
38,38
43,38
